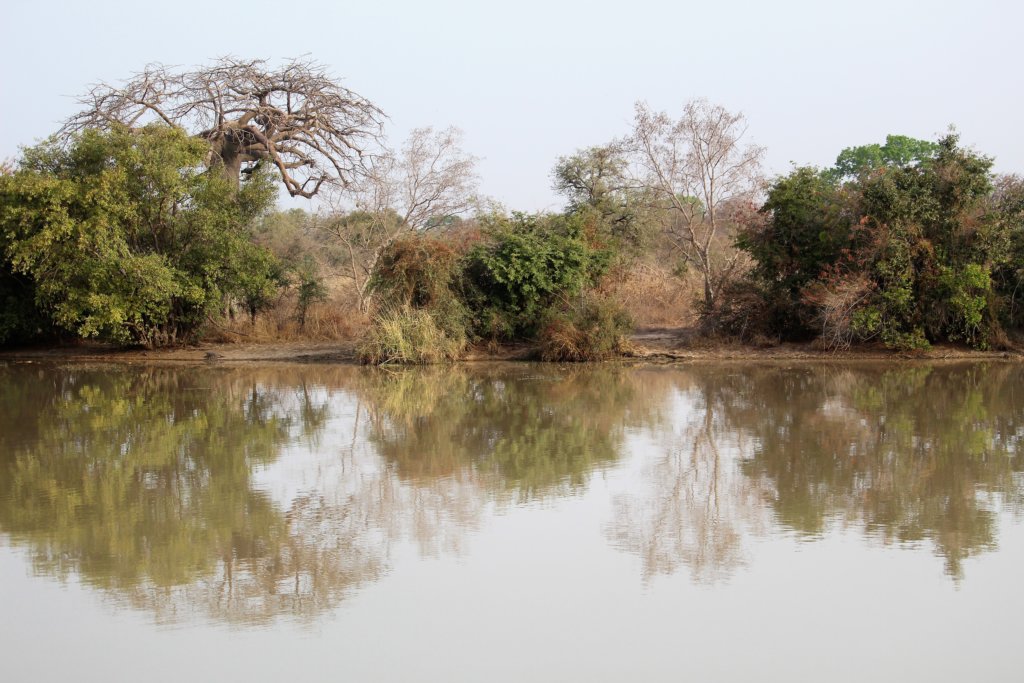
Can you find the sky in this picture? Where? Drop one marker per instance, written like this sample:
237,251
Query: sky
529,81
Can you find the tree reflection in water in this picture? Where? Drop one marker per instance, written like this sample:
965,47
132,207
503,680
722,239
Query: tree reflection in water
244,495
139,481
147,482
907,455
693,507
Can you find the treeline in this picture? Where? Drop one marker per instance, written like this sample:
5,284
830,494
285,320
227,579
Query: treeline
144,223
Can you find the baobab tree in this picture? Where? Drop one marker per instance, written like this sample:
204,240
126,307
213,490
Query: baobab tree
296,117
698,169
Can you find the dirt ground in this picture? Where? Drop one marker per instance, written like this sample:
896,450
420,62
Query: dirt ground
648,344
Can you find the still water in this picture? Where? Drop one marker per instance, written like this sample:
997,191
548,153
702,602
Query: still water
511,523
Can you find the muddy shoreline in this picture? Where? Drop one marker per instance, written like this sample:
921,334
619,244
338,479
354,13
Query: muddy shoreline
652,346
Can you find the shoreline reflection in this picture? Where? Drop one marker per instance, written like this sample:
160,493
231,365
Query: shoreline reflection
245,495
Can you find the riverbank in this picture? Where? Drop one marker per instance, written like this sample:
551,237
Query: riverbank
657,345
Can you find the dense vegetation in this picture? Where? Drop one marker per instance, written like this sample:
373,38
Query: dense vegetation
124,236
910,250
159,231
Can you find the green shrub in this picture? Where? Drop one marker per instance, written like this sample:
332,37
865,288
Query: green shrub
913,251
527,264
309,289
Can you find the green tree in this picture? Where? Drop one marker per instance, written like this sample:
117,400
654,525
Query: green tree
899,151
257,279
933,248
309,289
595,183
907,254
124,235
807,224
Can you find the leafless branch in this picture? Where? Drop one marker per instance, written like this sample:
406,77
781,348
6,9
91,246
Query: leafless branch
696,167
296,117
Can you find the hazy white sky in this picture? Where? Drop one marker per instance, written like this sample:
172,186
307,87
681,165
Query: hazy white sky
531,80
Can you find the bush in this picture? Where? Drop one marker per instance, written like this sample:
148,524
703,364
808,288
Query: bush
416,272
910,253
590,331
527,264
421,318
411,336
744,310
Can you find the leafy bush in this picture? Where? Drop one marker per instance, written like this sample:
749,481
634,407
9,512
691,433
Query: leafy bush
809,224
309,289
906,253
525,266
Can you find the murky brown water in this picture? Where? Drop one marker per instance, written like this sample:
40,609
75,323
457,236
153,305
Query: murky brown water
511,523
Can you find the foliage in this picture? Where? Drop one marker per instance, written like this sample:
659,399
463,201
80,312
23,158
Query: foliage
595,183
905,253
435,294
808,224
527,264
899,151
310,289
423,272
932,250
258,278
592,329
124,236
416,271
1007,208
21,320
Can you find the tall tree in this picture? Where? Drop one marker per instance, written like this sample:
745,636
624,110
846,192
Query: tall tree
595,180
700,170
296,117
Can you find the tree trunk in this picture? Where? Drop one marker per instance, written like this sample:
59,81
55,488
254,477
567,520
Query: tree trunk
228,157
709,293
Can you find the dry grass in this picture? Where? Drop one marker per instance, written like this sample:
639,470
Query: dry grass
410,336
655,296
337,319
592,331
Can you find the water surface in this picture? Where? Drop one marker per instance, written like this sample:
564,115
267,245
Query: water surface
511,522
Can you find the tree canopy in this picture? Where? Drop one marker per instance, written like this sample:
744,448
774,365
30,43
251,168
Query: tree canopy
899,151
296,118
125,236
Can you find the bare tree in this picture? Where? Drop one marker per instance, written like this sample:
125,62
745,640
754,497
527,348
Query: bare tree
699,170
296,117
422,186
